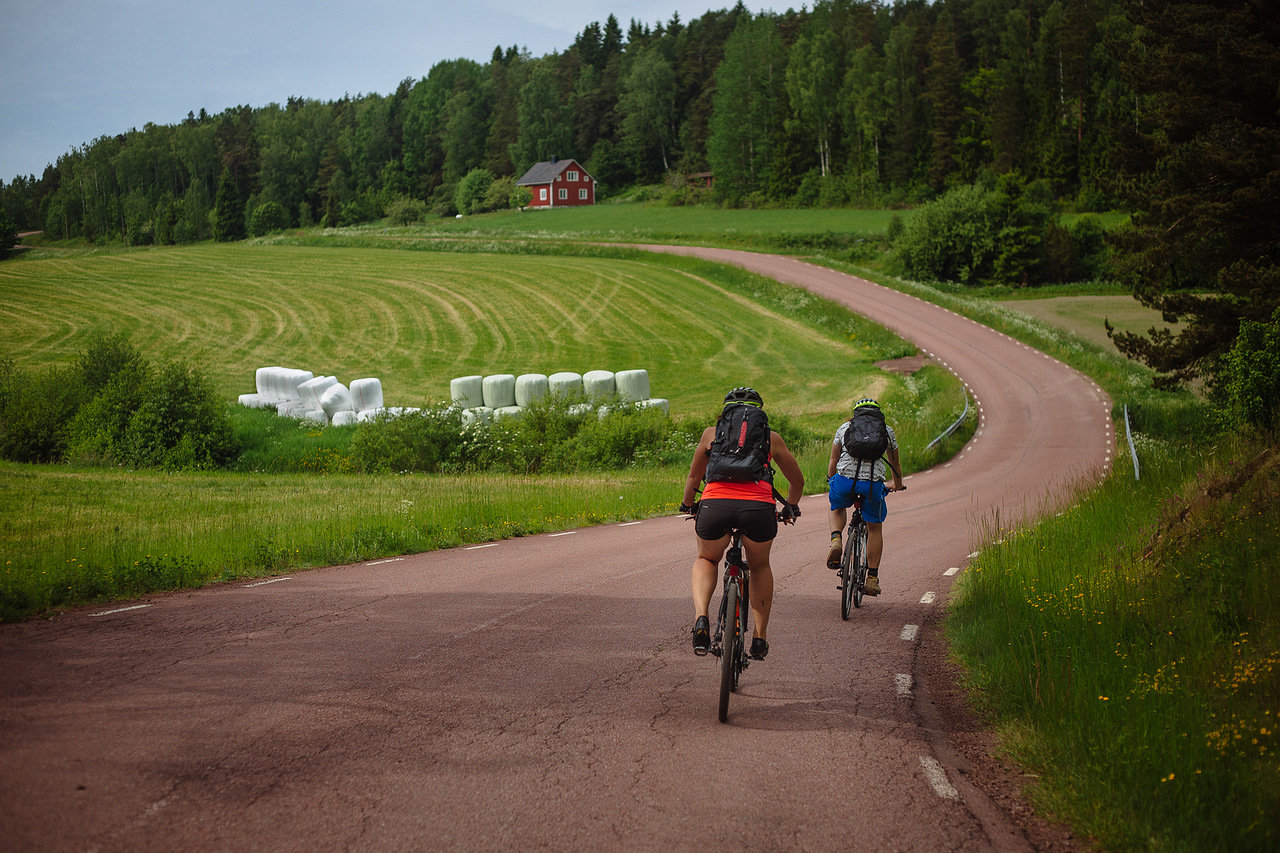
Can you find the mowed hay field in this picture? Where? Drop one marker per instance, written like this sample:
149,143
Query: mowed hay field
417,319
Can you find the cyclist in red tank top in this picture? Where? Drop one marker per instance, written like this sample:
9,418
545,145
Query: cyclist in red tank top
745,506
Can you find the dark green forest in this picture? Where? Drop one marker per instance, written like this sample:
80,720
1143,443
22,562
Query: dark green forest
850,103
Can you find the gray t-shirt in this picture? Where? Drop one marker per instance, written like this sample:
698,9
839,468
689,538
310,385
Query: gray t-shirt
848,466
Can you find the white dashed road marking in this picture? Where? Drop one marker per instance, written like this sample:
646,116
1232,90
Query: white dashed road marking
909,632
902,683
120,610
928,598
264,583
938,778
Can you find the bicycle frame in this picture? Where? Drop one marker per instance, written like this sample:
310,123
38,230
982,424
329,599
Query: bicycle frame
729,642
853,567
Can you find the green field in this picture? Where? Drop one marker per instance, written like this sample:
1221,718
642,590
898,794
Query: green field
418,319
415,319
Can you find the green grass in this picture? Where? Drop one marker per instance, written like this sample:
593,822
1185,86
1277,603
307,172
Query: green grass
415,319
73,535
418,319
1128,652
640,223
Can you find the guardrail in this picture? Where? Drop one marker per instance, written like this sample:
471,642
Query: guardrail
955,426
1128,434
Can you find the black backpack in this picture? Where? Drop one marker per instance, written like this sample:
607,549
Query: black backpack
740,450
867,436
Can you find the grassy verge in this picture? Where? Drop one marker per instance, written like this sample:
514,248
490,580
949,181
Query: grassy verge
72,536
1128,652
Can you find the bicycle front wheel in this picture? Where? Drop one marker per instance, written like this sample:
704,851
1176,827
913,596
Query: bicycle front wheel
730,648
847,580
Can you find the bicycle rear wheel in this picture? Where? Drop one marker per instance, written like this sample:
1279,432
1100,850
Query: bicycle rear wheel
730,648
847,580
859,562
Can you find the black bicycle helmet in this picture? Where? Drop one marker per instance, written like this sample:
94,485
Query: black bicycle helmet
742,394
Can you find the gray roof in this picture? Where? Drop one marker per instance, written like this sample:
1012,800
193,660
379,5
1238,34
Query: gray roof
547,171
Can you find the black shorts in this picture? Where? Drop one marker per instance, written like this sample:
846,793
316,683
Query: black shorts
717,518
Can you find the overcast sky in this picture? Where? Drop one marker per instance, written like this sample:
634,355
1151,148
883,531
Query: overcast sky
74,70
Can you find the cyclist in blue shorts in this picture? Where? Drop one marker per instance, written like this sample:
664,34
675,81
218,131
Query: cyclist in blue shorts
847,476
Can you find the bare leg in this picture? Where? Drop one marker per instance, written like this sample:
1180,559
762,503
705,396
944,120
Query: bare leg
761,584
875,544
704,573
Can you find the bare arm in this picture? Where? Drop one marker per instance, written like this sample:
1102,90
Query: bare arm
790,468
698,468
891,456
834,461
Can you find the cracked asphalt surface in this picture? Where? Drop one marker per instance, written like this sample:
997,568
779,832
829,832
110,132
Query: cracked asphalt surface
540,693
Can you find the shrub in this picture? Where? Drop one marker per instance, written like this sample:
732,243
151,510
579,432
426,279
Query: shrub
500,193
180,423
429,441
36,411
976,235
97,433
267,217
1251,374
470,193
406,211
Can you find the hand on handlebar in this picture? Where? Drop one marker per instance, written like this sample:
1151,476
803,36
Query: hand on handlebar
789,514
690,509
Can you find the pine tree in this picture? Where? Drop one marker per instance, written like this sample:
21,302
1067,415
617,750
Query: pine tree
229,210
1204,246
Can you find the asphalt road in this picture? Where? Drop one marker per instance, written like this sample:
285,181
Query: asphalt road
540,693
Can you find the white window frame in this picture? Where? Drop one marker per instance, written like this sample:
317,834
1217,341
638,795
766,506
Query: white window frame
582,194
571,175
563,194
542,194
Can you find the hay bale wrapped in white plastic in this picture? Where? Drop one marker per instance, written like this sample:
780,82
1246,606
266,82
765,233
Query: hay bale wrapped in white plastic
290,378
599,385
310,391
336,398
344,418
654,403
531,387
499,390
467,391
633,385
507,412
565,384
477,415
366,394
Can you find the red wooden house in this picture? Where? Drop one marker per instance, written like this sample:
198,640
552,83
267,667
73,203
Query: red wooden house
559,183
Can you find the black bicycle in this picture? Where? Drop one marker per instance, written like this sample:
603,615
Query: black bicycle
729,641
853,565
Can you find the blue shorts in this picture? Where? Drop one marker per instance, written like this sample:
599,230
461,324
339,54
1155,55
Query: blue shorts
874,508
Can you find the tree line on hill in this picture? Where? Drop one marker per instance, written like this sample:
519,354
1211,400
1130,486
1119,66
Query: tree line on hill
1168,108
851,102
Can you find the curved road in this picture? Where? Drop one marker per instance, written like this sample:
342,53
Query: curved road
539,693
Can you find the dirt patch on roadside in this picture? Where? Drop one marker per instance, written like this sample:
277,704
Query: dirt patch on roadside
907,365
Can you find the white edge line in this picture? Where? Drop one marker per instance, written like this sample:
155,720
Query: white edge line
938,778
264,583
478,547
909,632
120,610
951,571
380,562
630,523
565,533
